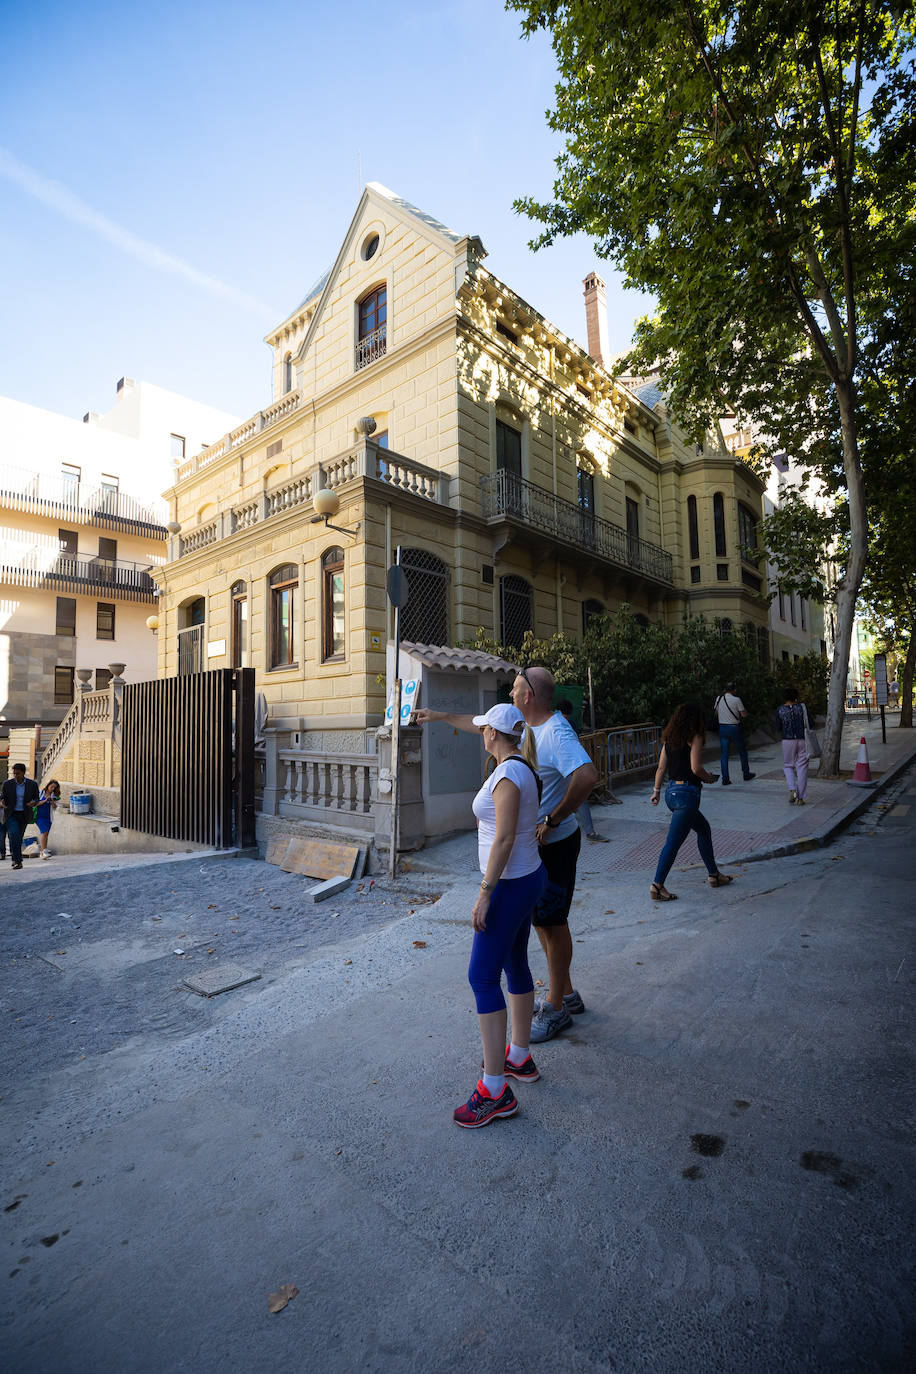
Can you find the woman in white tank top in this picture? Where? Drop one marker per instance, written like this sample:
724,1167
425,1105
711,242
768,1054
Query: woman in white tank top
506,808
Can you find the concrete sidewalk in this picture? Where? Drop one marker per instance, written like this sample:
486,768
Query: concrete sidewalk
749,820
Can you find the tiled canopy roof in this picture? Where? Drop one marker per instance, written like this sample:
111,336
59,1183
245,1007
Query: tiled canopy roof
467,660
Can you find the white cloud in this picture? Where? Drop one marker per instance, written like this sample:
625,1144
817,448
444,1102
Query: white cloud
64,202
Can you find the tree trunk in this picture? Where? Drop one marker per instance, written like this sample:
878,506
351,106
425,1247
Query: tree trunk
848,586
906,686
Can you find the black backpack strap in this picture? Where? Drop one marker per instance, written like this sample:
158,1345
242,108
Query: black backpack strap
520,758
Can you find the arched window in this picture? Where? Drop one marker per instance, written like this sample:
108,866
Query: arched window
239,596
591,610
693,528
283,583
718,521
288,372
372,334
333,606
424,620
725,626
515,611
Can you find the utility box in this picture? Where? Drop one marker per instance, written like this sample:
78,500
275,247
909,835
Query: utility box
451,764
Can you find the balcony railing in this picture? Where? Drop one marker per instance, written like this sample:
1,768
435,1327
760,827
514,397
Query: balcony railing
372,347
365,459
66,498
506,496
76,573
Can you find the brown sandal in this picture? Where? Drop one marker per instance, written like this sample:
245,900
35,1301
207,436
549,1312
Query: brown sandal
659,893
720,879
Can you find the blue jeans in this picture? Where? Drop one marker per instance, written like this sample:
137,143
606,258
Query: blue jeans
683,801
728,733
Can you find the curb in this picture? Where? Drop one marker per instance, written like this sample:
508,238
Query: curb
839,823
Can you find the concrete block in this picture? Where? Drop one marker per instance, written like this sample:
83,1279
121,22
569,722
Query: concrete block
328,888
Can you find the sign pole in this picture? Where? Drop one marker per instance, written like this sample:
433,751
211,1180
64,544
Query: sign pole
396,731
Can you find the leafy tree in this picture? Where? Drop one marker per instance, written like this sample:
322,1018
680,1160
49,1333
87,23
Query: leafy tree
641,673
888,597
753,165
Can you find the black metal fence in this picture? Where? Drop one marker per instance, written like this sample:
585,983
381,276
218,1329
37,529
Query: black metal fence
187,757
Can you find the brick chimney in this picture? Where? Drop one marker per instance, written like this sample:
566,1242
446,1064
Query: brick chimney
596,317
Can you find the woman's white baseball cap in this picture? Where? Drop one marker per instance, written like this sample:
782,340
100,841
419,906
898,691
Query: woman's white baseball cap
504,717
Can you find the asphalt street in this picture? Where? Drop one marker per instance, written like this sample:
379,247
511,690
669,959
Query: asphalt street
715,1170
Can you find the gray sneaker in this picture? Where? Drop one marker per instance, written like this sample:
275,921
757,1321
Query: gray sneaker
572,1002
548,1022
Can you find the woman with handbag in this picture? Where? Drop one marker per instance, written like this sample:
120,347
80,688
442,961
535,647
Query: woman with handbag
793,722
681,757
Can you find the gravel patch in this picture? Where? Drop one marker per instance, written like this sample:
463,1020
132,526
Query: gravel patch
91,962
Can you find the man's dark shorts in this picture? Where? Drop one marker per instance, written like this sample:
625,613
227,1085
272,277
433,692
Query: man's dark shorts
559,859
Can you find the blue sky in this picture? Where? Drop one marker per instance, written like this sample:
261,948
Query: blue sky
174,177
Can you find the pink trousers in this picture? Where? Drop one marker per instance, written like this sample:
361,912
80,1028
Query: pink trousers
795,765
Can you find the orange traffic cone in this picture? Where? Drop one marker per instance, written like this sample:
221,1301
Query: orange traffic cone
862,776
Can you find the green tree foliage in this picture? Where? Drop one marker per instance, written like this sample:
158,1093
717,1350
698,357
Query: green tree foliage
639,674
753,165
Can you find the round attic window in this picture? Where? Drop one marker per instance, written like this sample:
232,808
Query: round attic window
370,247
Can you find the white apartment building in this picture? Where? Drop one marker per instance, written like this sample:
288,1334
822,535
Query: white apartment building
82,522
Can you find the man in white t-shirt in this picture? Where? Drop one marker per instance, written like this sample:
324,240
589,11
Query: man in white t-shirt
568,776
730,713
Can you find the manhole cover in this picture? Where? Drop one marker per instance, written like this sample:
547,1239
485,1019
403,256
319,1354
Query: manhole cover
222,979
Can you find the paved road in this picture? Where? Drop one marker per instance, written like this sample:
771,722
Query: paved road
716,1170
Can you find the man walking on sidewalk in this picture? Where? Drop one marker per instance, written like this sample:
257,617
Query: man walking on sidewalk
568,775
730,712
18,795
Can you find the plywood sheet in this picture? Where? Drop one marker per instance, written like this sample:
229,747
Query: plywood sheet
320,858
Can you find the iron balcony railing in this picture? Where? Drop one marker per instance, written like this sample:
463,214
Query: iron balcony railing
506,496
371,347
66,498
77,573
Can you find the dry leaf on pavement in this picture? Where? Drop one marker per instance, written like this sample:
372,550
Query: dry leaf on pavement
277,1301
419,944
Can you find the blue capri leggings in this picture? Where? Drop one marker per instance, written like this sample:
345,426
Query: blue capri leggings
504,943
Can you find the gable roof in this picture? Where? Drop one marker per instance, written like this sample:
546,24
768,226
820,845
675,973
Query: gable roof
375,190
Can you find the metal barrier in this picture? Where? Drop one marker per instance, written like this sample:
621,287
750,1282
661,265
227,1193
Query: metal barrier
625,749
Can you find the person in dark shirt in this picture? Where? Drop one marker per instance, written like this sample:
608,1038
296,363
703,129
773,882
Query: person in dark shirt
681,757
793,720
17,797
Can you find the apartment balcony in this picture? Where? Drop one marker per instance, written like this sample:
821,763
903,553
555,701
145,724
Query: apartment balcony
73,502
76,574
530,510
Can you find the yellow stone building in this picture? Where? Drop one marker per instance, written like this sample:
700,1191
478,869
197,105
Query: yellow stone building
438,412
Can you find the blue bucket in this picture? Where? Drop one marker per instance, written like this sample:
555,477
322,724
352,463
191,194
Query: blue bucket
80,803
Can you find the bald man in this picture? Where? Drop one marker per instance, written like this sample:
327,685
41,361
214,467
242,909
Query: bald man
568,775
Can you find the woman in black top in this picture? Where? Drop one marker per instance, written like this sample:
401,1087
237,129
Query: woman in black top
681,757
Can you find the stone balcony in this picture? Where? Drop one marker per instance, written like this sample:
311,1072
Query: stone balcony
364,460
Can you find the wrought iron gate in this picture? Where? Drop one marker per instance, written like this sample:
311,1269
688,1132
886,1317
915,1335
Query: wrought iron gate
187,757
